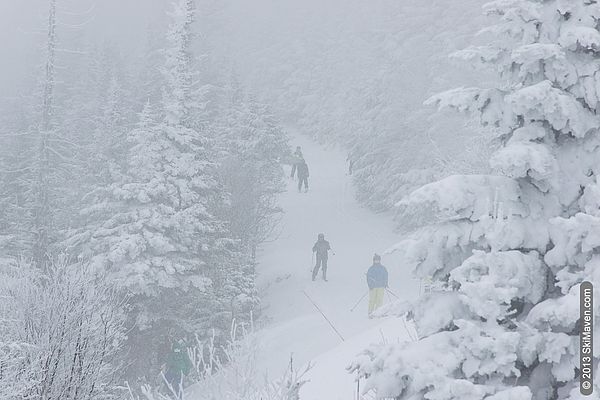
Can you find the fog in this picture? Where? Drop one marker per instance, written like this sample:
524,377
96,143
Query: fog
249,34
296,199
23,26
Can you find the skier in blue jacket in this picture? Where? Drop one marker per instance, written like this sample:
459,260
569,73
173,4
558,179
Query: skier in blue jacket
377,279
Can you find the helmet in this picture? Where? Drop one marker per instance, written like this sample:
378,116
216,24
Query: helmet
376,258
321,236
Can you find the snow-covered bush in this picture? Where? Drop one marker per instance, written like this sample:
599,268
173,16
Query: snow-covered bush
61,333
231,372
514,246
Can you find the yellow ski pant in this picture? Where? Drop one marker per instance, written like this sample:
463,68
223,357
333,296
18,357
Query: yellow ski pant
375,298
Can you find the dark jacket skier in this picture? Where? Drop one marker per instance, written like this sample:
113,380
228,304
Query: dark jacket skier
303,175
296,158
350,160
321,249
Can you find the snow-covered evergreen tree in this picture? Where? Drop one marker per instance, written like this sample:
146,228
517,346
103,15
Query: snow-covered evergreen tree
515,246
95,117
154,227
251,148
182,98
18,141
45,154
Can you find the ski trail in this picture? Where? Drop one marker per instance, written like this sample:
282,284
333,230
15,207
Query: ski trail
284,268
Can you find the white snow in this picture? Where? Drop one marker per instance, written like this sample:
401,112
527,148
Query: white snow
284,271
330,380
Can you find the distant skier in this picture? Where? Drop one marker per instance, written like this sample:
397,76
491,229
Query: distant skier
177,365
321,249
350,160
303,175
377,279
297,157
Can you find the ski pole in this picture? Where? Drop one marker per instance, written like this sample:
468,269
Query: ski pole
408,332
324,316
358,302
392,293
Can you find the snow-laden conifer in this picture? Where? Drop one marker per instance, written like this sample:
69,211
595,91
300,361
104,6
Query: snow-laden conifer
513,247
153,227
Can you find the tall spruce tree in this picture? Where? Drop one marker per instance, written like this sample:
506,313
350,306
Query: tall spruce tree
42,151
152,227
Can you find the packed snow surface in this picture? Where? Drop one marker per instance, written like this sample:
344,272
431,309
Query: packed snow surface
293,324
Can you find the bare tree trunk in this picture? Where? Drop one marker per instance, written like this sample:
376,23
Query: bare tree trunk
42,206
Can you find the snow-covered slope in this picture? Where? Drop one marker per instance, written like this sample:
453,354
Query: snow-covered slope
293,325
329,380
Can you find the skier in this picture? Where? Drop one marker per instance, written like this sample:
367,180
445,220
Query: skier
296,159
377,279
177,365
302,175
350,160
321,249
